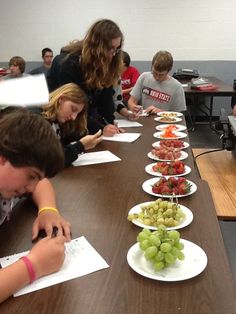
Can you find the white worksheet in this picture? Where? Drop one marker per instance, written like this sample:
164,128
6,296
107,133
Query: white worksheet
95,158
123,137
81,259
122,123
30,90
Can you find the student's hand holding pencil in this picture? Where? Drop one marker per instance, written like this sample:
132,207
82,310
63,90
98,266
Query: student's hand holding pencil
47,255
112,129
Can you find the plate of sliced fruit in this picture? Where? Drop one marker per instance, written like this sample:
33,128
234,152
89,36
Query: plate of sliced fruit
168,168
168,119
163,154
160,212
171,143
172,127
169,114
169,135
166,187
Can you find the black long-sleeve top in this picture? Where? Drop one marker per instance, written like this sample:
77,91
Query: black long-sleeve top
66,69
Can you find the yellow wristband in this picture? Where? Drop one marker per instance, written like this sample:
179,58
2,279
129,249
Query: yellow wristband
53,209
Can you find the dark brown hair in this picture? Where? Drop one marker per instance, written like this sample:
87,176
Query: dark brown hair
28,140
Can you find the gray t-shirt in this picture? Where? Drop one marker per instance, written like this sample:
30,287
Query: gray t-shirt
39,70
167,95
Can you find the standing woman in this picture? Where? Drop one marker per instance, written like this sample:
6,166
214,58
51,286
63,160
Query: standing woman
95,64
67,113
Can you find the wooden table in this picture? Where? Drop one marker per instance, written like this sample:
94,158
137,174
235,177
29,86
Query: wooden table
219,170
96,199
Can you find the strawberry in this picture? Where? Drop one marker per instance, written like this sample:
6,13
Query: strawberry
166,190
184,188
180,169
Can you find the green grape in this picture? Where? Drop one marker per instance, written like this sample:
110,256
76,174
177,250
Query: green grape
174,235
147,231
159,212
161,247
159,256
142,236
144,244
181,256
155,240
169,258
131,217
160,221
179,245
174,251
150,252
159,266
169,205
165,247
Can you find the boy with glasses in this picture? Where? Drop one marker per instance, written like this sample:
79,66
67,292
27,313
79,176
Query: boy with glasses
157,91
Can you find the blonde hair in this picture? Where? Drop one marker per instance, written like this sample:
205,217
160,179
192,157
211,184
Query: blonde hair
72,92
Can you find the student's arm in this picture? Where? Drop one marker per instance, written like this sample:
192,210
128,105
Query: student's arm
128,114
44,196
133,104
46,257
127,90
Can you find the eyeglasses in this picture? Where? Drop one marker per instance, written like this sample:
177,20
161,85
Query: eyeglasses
159,75
114,50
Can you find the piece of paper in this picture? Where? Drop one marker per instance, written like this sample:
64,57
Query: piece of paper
122,123
123,137
95,158
30,90
81,259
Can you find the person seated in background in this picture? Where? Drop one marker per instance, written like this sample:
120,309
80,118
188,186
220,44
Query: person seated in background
16,68
29,152
67,113
47,56
157,91
129,77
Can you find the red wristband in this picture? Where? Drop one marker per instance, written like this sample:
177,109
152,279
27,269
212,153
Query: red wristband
30,268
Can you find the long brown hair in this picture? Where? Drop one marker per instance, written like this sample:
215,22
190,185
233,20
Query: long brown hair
99,70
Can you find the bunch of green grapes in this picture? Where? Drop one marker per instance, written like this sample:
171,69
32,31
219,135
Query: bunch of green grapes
161,247
160,212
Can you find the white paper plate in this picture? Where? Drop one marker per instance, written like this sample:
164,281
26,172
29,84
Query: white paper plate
194,263
178,127
174,113
147,187
177,119
183,156
149,170
185,222
157,144
178,135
